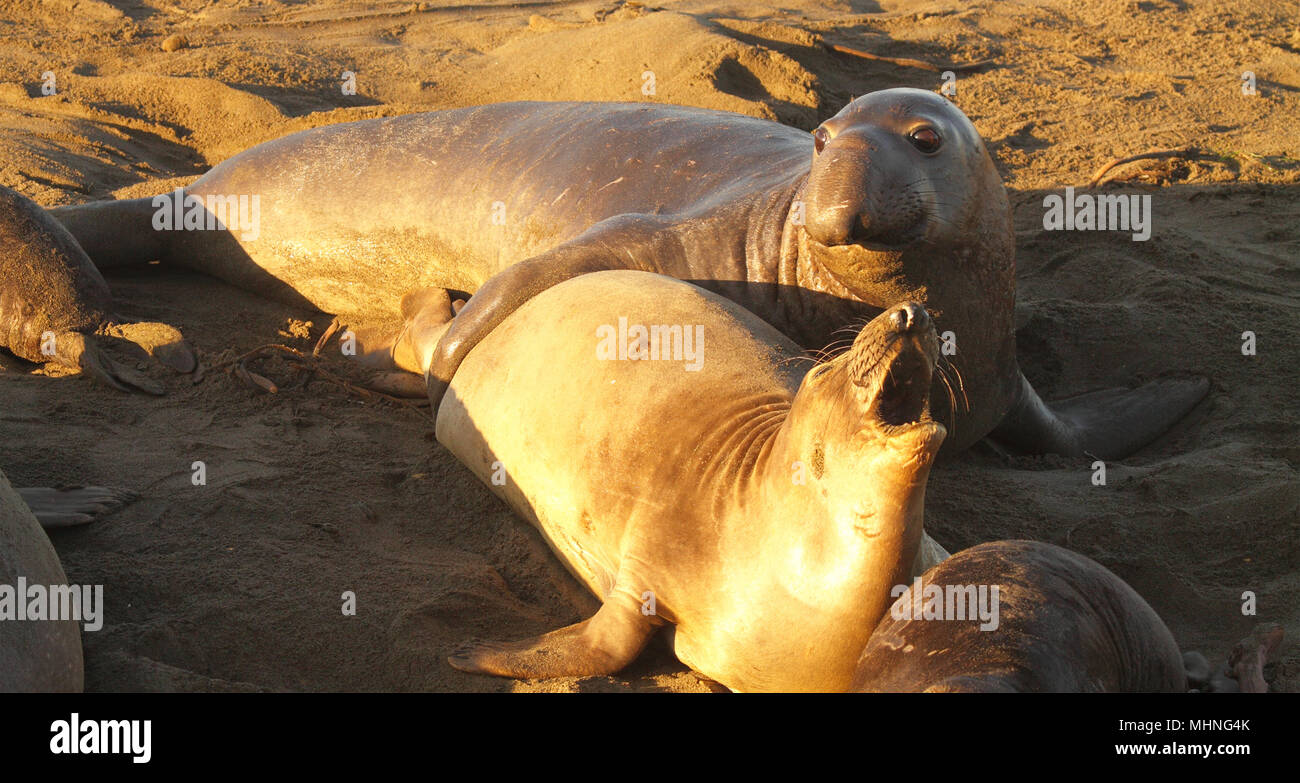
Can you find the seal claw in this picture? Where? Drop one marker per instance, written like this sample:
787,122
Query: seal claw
87,354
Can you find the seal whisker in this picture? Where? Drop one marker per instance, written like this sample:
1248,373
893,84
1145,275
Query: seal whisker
952,400
960,382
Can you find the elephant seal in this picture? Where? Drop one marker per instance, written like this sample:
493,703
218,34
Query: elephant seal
1064,624
893,199
35,655
684,463
56,307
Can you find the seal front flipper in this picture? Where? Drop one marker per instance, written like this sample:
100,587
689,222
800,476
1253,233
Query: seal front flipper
69,506
636,242
161,341
1108,424
85,352
612,638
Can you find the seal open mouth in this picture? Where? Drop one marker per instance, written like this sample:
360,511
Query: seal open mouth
893,378
904,394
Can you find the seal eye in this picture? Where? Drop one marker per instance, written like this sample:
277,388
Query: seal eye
820,137
925,139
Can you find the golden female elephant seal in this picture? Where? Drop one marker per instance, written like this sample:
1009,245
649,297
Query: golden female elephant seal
691,470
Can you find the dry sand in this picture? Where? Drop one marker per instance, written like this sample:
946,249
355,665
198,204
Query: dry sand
311,492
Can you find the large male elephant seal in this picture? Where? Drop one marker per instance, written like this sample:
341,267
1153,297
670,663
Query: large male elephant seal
893,199
55,306
685,464
1063,623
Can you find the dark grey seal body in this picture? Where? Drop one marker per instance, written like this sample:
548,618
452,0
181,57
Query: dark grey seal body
1064,624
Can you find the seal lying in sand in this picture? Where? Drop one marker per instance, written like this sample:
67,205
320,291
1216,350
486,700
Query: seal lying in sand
55,306
893,199
715,484
43,655
1064,624
35,655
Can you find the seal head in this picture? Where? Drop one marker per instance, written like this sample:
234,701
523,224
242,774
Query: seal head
864,416
897,175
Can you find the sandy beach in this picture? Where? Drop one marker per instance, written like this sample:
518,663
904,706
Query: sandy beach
313,491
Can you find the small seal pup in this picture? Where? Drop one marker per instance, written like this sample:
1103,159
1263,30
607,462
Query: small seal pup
1064,624
684,463
893,199
56,307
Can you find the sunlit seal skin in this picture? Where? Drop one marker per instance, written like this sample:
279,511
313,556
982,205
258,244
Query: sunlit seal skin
35,655
1064,624
893,199
56,307
762,507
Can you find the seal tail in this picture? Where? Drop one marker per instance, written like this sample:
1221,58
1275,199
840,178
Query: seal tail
115,233
1108,424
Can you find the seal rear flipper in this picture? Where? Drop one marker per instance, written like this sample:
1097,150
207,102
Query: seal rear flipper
612,638
69,506
427,313
1107,424
85,352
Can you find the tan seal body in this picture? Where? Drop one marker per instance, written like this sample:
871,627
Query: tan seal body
761,509
893,199
1064,624
35,655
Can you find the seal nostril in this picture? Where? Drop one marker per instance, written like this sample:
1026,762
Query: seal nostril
917,316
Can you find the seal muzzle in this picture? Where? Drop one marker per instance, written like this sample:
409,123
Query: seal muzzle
892,364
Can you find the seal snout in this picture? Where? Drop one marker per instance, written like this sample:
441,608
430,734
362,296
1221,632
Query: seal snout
861,192
909,317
